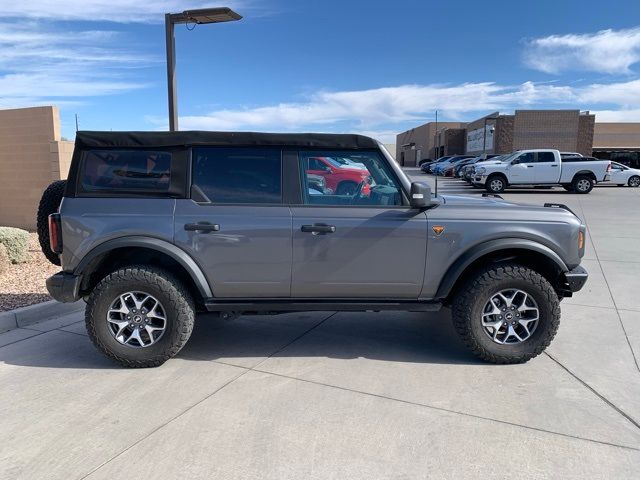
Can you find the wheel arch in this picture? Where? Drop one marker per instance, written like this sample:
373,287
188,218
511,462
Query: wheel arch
527,252
119,252
498,174
587,173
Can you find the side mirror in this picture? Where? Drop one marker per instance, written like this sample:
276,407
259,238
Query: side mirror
515,161
420,195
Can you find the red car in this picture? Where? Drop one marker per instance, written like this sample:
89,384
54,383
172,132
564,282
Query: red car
341,178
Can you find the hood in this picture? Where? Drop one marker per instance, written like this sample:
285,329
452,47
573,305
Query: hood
532,212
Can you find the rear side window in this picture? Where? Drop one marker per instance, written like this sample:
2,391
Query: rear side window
238,175
546,157
126,170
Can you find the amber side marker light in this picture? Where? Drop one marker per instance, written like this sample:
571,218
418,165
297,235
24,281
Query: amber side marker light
580,240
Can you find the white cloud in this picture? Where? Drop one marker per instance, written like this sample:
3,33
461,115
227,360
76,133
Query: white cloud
122,11
39,64
607,51
382,111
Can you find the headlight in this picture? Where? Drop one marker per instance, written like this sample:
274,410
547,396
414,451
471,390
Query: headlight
481,170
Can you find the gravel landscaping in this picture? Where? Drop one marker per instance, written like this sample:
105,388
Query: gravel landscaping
24,283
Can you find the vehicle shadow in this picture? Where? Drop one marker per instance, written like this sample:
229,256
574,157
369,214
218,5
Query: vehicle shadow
249,339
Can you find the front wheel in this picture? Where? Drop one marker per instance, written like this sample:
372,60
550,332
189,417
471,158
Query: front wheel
506,314
139,316
634,181
496,184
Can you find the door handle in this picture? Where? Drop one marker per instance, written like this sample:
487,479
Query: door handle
318,228
202,227
554,165
529,166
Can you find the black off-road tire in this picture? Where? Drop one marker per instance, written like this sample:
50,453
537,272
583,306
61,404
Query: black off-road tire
469,302
49,203
576,182
174,297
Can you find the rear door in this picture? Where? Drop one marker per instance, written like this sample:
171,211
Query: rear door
236,225
367,244
547,168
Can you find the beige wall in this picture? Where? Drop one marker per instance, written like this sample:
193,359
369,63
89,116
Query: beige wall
616,135
31,157
424,139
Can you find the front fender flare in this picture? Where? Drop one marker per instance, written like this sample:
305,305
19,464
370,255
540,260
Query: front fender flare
474,253
162,246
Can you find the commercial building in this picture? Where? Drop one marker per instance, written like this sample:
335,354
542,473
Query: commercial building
565,130
32,155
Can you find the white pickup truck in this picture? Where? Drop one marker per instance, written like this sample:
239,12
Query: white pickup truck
541,168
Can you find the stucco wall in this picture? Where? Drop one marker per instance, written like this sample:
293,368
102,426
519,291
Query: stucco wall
31,157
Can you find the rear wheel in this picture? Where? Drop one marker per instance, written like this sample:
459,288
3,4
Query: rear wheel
139,316
582,184
506,314
495,184
634,181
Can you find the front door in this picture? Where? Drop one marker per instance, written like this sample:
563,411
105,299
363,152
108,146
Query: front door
236,226
524,170
365,244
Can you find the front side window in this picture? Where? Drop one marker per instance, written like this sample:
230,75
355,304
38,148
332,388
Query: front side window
238,175
348,178
126,170
526,158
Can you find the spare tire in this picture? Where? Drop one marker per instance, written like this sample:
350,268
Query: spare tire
49,203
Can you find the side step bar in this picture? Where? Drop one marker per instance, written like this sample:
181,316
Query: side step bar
338,304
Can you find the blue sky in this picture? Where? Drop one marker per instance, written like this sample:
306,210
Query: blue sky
340,66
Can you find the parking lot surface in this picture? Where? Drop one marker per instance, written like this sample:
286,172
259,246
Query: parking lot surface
345,395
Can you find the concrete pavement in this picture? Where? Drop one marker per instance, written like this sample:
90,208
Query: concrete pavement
344,395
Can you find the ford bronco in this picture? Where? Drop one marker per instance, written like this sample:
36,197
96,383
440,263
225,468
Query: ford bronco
152,227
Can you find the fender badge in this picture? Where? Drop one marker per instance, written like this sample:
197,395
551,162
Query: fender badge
437,229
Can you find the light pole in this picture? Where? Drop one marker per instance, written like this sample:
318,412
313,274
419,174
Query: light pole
200,17
484,138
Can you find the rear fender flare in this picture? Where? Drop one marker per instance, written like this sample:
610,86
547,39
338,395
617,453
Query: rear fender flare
161,246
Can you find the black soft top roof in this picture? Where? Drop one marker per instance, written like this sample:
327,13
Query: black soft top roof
86,139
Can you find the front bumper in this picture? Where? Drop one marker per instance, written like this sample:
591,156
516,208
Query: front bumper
64,287
479,179
575,279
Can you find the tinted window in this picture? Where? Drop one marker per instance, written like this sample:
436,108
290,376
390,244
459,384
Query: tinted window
238,175
526,157
546,157
141,170
347,178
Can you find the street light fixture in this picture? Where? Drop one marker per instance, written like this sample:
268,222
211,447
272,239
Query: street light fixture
200,17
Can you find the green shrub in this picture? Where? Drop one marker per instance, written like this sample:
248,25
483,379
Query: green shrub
16,242
4,259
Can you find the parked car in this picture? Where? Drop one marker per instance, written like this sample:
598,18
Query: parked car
231,230
425,160
564,155
542,168
440,167
426,166
340,177
470,161
623,175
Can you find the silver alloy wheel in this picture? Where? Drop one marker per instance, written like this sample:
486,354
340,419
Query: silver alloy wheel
136,319
496,185
634,181
583,184
510,316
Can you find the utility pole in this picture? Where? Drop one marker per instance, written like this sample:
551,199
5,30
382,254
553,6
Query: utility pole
76,122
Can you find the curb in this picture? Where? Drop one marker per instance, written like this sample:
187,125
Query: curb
25,316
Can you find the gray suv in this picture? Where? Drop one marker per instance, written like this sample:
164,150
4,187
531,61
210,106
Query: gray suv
153,227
